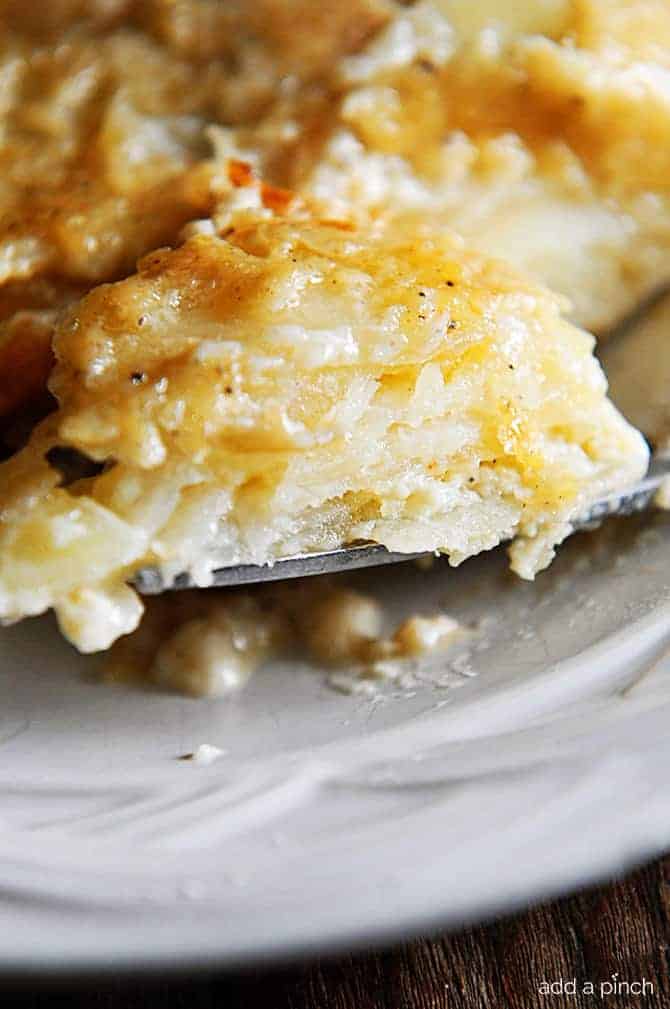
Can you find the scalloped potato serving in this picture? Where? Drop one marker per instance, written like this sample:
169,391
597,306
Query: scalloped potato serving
343,358
296,384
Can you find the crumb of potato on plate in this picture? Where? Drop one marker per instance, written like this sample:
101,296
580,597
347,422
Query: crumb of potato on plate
419,635
662,496
204,754
209,643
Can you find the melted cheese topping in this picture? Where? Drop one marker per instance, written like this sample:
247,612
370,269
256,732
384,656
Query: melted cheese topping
105,113
539,131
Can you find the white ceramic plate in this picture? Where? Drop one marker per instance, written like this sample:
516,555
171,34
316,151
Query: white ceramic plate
336,819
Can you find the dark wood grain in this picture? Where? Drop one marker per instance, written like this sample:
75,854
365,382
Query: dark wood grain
621,929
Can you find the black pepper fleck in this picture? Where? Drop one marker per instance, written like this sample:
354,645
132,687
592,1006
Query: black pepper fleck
426,65
142,319
138,377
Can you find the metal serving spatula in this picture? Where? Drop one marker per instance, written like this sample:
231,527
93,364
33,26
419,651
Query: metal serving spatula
150,580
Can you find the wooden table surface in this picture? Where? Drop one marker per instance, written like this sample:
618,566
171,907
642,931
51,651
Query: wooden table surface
622,929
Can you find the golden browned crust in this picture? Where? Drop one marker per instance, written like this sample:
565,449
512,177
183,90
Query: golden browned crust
104,111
